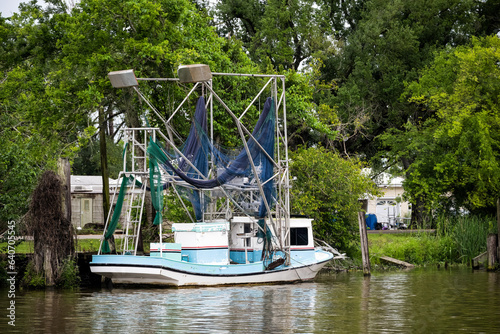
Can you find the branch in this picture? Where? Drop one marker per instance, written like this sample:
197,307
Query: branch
117,129
113,115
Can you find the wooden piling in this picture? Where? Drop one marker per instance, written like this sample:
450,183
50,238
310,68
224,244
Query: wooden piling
364,244
492,251
64,171
498,226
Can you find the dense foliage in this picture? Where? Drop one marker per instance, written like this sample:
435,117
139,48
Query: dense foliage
280,33
457,240
54,63
455,152
328,188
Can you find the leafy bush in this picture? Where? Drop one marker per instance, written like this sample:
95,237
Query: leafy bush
32,279
328,188
69,276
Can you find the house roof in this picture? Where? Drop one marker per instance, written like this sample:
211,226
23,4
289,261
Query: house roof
88,184
385,179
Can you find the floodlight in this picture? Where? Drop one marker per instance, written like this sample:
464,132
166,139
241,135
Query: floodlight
194,73
121,79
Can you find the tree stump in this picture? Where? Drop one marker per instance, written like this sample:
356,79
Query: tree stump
492,251
51,229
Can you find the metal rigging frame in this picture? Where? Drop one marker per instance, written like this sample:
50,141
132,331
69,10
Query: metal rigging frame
279,216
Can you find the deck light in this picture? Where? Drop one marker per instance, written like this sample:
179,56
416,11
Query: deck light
122,79
194,73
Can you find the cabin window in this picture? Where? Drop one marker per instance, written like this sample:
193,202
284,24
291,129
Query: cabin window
247,228
299,236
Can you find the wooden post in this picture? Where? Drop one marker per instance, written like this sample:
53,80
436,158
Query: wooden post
64,171
47,265
498,226
364,244
492,251
104,173
104,163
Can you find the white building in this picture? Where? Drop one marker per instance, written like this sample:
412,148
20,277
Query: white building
86,200
389,207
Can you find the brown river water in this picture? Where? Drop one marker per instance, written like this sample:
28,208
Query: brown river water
422,300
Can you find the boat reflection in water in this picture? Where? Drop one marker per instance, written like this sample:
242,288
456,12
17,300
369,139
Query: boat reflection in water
244,309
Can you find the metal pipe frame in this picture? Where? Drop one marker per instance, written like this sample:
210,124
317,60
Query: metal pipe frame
282,206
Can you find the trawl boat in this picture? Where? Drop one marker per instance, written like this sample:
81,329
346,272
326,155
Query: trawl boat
239,230
203,256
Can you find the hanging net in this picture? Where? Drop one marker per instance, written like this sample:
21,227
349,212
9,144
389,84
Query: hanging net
116,216
192,167
156,189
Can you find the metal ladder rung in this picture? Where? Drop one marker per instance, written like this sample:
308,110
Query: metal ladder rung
135,208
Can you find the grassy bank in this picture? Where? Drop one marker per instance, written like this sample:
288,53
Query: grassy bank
82,246
457,240
419,248
26,247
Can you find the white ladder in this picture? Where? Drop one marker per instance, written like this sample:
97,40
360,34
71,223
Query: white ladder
138,138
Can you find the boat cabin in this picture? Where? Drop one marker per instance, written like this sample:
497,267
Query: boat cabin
229,243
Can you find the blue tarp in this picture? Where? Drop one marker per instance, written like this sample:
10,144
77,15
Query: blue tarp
371,221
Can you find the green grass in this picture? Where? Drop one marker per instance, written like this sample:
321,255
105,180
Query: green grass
470,234
458,240
24,247
419,249
87,245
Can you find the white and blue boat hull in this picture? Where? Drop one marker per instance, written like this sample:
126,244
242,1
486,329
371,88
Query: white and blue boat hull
126,269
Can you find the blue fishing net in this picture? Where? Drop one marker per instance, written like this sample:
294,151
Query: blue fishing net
199,150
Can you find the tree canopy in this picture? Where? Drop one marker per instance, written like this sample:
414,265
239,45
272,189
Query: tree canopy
280,33
457,150
328,188
386,47
54,65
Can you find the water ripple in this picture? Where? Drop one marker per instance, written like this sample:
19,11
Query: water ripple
418,301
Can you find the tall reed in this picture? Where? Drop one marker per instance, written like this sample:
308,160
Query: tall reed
458,239
469,233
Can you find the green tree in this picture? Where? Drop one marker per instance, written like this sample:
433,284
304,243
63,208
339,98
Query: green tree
30,139
308,123
280,33
328,188
457,164
55,61
387,45
22,157
87,159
